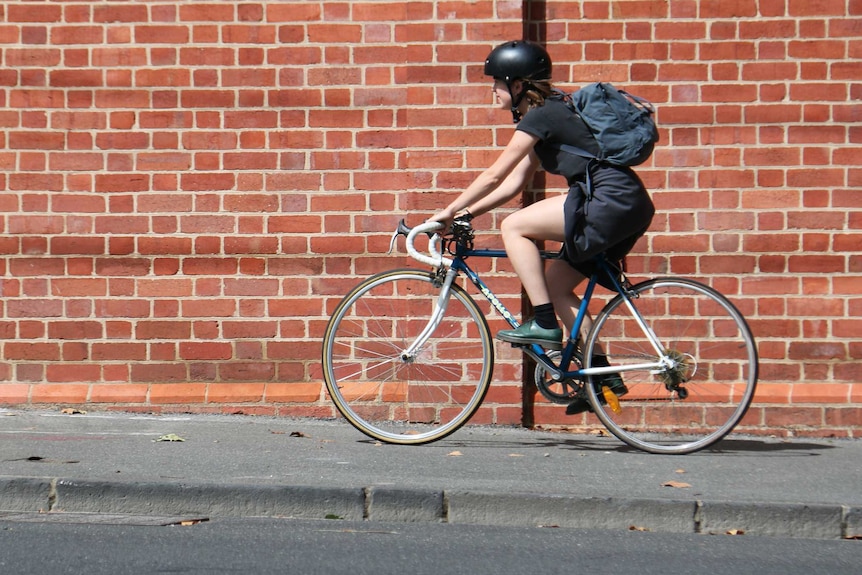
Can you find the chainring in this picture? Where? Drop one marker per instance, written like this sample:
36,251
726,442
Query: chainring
561,392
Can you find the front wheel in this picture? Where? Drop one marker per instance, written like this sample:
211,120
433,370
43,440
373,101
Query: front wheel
707,373
387,386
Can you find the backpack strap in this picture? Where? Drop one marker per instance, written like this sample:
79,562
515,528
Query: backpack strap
593,160
568,148
576,151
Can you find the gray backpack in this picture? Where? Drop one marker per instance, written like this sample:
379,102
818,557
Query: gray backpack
621,123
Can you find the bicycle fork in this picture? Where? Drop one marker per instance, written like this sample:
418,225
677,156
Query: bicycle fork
437,315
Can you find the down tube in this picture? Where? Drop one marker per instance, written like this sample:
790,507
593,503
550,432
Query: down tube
462,266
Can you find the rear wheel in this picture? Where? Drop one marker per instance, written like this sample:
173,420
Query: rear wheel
708,374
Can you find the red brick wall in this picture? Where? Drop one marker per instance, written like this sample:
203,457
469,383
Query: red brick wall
189,187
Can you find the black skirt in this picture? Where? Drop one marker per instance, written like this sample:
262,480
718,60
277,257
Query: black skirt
609,220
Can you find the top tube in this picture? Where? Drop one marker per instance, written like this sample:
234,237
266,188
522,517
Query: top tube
492,253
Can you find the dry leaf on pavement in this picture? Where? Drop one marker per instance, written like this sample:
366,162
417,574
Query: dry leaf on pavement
170,437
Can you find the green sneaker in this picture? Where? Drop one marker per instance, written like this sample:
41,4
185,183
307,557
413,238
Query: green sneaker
530,332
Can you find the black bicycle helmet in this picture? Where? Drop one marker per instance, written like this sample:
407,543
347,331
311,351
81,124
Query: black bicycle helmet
518,60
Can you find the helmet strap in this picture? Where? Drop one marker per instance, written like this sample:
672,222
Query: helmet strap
516,102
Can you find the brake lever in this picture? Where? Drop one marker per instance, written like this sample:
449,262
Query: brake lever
402,230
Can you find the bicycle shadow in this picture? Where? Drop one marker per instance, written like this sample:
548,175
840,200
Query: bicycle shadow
757,446
738,446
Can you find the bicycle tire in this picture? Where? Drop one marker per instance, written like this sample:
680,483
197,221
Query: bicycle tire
397,399
702,394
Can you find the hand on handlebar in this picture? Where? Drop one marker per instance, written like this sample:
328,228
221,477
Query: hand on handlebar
448,218
445,217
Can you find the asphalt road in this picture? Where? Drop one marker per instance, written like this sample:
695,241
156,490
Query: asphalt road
262,546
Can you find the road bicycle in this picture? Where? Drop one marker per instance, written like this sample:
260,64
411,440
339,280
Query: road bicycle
408,355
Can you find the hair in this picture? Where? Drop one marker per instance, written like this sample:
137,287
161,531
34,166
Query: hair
536,91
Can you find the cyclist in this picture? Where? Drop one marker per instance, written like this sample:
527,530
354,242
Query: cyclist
609,217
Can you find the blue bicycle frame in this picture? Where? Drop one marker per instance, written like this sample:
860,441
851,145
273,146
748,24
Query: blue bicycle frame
556,371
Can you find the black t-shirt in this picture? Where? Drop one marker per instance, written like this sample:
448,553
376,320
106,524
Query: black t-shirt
556,123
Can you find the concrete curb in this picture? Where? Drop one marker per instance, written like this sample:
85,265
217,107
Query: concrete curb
426,505
567,511
779,520
25,494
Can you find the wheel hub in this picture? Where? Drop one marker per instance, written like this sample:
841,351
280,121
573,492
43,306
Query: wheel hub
681,367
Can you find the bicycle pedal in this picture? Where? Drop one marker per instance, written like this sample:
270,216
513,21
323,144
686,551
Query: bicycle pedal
517,345
529,345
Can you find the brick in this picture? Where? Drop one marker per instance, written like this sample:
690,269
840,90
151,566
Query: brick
118,393
205,351
163,330
773,393
161,34
843,417
14,393
61,35
235,392
246,371
815,8
177,393
834,393
794,417
817,350
59,393
33,13
37,140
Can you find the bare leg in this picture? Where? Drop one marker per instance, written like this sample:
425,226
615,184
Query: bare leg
543,221
562,279
540,221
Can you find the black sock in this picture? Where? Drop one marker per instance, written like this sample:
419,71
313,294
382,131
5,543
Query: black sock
545,316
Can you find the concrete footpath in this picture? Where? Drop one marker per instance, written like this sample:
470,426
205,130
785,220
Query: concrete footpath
105,463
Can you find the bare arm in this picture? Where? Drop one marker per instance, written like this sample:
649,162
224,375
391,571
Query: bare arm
506,177
509,188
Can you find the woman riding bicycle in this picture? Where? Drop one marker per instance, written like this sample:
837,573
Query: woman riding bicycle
608,218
